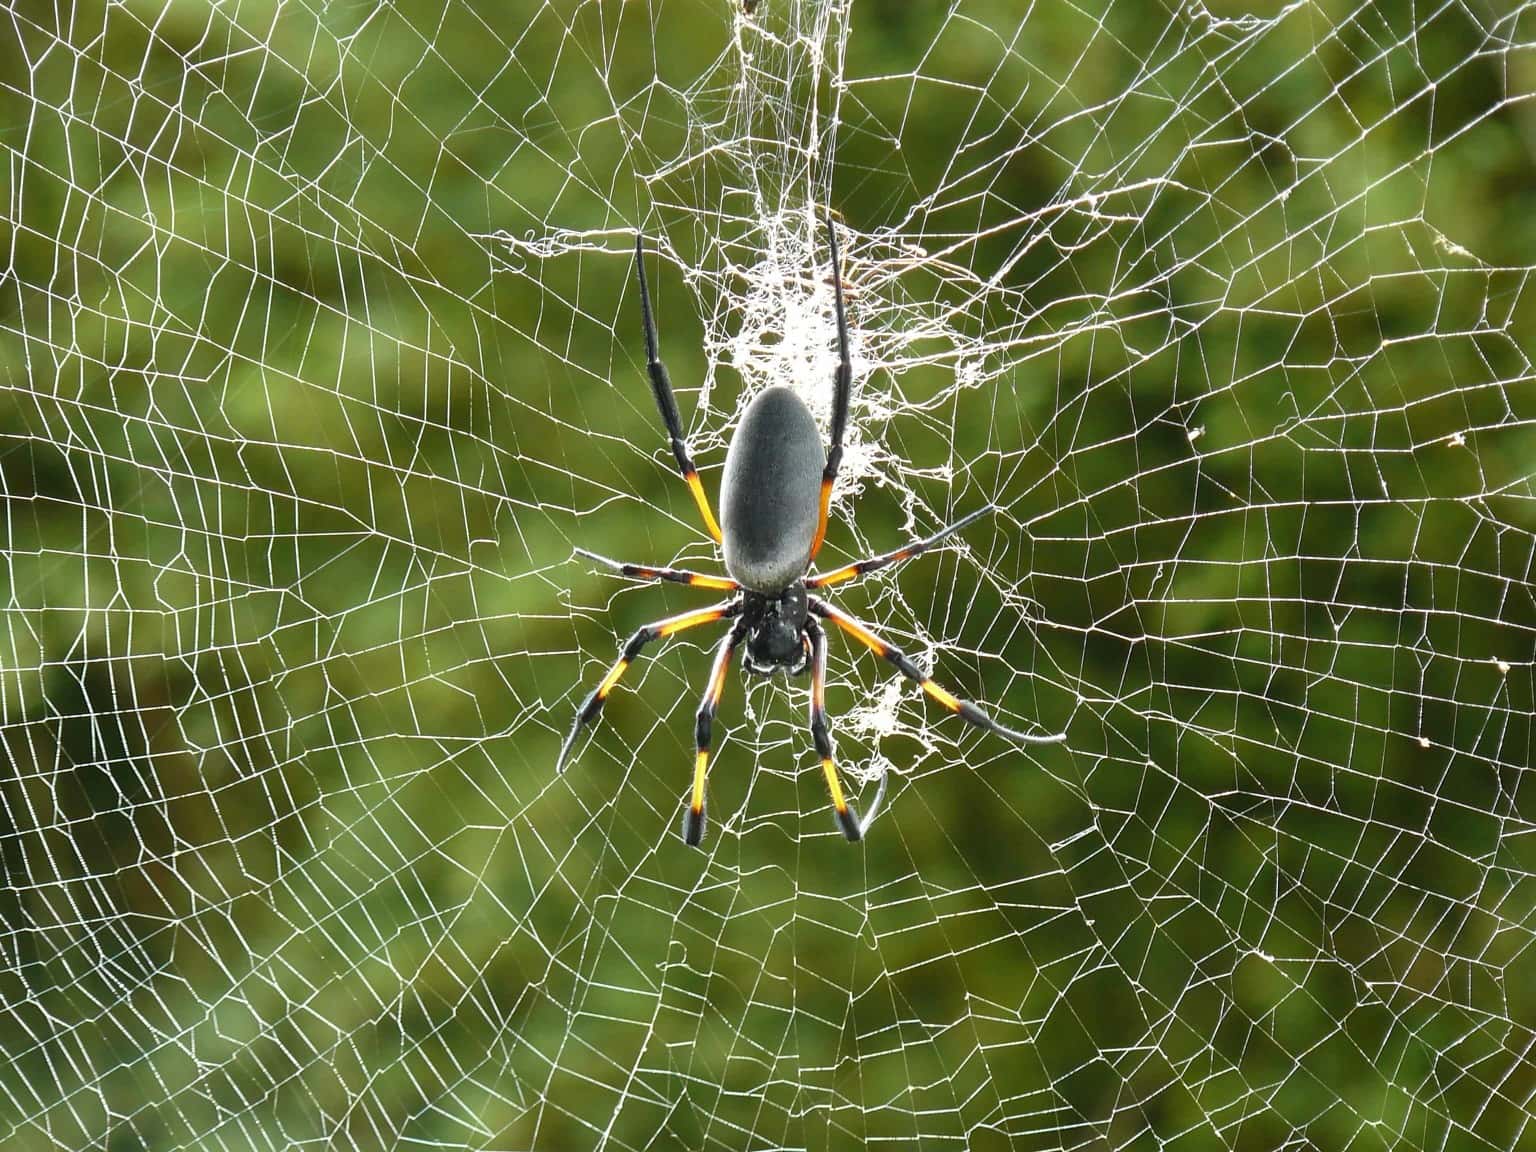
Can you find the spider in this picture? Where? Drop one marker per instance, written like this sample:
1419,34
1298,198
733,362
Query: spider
774,522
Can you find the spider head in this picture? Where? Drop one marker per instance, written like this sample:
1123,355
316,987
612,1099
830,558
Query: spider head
775,646
776,638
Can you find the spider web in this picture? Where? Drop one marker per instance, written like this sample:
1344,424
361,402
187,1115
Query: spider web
322,354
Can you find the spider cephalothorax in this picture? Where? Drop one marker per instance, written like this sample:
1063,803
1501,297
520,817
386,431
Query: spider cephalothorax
776,639
774,500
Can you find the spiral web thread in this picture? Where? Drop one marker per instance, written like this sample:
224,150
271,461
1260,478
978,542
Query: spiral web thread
322,355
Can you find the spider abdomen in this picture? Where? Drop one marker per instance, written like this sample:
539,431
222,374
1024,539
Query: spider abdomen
770,497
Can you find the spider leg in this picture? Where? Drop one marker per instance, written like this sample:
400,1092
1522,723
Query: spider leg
676,575
905,552
847,815
962,708
668,627
693,819
842,387
661,386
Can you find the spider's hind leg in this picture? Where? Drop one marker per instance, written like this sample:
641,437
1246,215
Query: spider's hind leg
676,575
905,552
661,388
842,389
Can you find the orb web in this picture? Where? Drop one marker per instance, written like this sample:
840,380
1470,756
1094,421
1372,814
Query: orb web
322,355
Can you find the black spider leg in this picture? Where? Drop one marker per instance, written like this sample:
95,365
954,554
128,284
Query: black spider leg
676,575
962,708
661,386
693,819
842,387
847,816
668,627
905,552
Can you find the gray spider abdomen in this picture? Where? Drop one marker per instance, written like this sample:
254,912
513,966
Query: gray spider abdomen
770,497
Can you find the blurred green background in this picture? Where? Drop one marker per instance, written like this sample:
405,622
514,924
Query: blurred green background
321,354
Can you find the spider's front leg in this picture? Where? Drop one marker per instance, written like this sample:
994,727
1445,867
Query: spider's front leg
693,820
962,708
668,627
847,815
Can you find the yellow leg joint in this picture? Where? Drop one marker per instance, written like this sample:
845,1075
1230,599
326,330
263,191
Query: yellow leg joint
611,679
700,764
689,620
821,523
834,786
696,486
941,696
